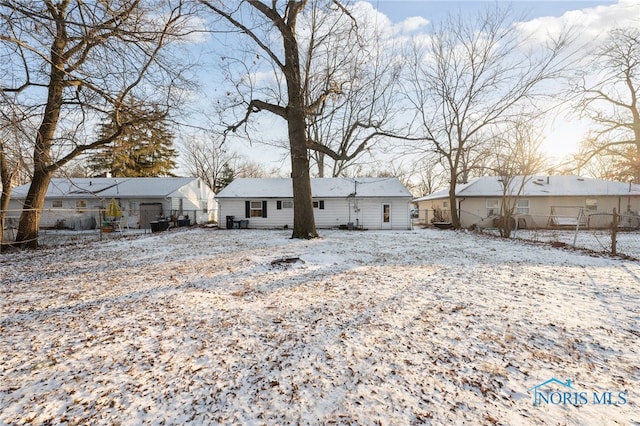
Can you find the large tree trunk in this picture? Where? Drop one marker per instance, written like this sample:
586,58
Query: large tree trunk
27,236
455,214
6,178
4,206
453,205
304,225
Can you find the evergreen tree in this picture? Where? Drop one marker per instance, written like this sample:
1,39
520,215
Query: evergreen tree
226,177
144,149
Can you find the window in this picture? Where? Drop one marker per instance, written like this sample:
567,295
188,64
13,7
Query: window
134,206
255,209
284,205
493,207
318,204
591,205
445,204
56,203
522,207
81,205
386,213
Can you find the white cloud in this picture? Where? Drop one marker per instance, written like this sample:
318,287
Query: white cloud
412,24
589,23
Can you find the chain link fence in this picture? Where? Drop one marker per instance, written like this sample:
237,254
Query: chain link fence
72,226
597,232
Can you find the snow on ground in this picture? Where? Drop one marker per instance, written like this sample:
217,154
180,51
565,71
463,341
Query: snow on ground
597,240
413,327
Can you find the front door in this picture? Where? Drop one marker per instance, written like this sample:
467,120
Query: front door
386,216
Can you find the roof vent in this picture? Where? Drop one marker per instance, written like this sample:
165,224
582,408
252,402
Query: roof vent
581,179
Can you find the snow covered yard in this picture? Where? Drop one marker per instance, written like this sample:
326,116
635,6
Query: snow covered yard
425,326
597,240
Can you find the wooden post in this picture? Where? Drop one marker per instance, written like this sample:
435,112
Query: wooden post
614,232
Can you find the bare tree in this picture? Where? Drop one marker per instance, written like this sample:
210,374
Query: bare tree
14,164
208,159
516,156
211,160
429,176
77,62
615,167
360,68
469,75
272,30
611,103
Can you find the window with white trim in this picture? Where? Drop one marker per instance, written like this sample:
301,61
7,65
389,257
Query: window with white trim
81,205
591,205
522,206
256,209
493,207
284,204
56,204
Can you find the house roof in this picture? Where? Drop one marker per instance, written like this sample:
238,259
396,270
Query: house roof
540,186
320,188
124,187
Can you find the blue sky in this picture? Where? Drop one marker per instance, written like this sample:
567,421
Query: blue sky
593,19
397,10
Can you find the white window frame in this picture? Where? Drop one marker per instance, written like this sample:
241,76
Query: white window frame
287,204
56,204
522,206
493,207
591,205
255,209
81,206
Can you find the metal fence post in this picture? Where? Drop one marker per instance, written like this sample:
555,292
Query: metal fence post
614,232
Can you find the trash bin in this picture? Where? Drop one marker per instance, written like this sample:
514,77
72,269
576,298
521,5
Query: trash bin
159,225
184,222
244,224
229,222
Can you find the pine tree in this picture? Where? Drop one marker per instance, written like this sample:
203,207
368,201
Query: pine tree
144,149
226,177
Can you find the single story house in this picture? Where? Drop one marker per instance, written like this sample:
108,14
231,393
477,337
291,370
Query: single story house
361,203
78,203
543,202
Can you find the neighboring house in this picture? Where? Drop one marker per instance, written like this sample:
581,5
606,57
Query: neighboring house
545,201
77,203
362,203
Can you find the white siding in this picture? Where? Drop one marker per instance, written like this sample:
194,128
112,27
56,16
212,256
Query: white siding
370,214
366,213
